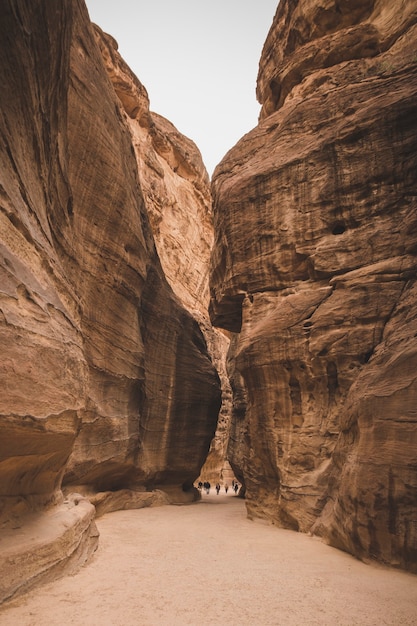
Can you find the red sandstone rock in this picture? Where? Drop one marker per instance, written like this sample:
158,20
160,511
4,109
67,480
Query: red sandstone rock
44,545
176,191
174,184
314,265
101,363
177,196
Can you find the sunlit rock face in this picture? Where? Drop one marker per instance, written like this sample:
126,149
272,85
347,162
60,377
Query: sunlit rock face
158,376
177,196
174,183
314,265
105,376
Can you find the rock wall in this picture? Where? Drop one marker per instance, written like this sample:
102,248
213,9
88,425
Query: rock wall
106,379
314,265
176,191
174,183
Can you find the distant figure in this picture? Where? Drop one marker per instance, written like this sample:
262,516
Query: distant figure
226,488
217,488
200,485
236,487
207,487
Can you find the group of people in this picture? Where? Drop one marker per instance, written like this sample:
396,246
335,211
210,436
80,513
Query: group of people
207,486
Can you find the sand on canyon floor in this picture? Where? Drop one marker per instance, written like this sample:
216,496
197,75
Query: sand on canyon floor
206,564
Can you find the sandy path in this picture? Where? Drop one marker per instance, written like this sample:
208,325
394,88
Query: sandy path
207,565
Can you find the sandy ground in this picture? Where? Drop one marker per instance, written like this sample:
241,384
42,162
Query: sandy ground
206,564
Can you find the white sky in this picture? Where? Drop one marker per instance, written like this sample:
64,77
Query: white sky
198,60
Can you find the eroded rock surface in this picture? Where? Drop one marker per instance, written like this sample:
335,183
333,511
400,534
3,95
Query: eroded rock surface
44,545
105,375
174,183
314,265
177,195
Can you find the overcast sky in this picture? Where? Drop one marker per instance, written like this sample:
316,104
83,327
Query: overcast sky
198,60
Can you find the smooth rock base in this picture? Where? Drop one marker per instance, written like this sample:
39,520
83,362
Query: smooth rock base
46,546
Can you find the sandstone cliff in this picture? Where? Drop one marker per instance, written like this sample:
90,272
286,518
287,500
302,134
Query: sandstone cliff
105,376
314,266
177,196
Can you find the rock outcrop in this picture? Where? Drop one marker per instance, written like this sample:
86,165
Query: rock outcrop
174,183
106,380
314,265
176,191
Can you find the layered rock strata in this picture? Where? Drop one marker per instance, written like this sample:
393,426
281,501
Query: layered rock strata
176,191
314,266
105,376
45,545
174,184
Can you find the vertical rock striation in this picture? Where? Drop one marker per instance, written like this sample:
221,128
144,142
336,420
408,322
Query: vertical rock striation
176,191
105,376
174,184
151,343
314,266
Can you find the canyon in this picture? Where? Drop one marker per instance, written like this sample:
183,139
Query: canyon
153,324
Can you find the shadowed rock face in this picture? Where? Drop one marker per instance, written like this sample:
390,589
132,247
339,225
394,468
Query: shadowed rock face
101,364
176,191
314,266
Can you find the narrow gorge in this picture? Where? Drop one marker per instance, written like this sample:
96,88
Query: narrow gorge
153,323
